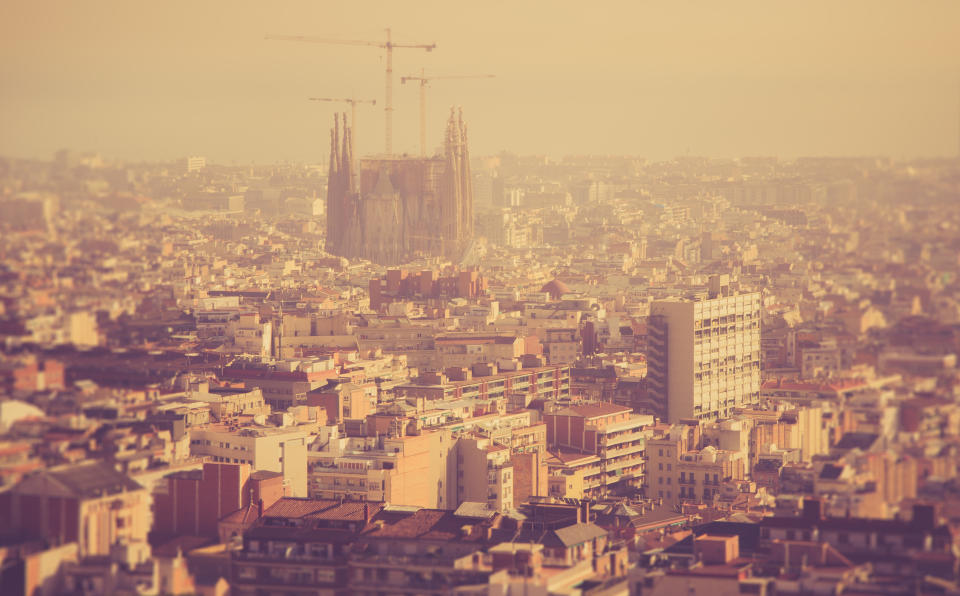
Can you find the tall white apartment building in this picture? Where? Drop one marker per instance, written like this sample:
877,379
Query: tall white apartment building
194,163
704,355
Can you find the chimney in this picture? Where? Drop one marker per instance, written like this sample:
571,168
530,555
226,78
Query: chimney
585,507
366,513
260,509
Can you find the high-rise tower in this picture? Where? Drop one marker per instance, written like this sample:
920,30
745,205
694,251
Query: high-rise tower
704,355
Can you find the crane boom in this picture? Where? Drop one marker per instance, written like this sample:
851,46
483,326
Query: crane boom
388,45
424,81
350,42
348,100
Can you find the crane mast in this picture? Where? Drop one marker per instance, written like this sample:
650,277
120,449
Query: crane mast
388,93
389,45
424,81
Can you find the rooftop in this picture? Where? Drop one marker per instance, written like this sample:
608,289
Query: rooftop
90,479
594,410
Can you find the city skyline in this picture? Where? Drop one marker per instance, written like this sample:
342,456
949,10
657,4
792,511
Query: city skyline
654,80
632,299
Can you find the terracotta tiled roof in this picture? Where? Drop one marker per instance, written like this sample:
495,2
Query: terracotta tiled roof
294,508
428,524
242,516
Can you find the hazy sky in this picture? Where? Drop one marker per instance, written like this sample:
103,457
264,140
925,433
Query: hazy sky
162,79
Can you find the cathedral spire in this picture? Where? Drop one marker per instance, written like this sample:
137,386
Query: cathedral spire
336,142
346,161
332,169
334,191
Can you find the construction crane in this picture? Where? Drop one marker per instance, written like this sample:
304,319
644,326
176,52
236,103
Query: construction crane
388,45
424,81
353,101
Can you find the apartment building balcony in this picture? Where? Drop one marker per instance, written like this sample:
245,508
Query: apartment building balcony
293,559
625,451
626,462
418,583
340,487
270,585
631,433
422,562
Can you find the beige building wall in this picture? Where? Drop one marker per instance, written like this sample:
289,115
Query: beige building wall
282,452
562,352
120,517
712,355
529,476
485,473
814,437
464,353
83,329
896,477
411,470
661,473
295,325
566,485
421,477
701,477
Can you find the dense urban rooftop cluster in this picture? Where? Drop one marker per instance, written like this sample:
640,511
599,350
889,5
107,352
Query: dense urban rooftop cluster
696,376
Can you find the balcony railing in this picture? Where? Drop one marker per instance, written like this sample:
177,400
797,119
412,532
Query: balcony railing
272,558
420,560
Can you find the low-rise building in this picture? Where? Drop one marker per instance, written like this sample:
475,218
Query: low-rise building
89,503
281,449
613,433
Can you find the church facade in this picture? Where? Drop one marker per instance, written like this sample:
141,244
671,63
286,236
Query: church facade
398,208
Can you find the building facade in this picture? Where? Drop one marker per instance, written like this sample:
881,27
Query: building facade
610,433
274,449
404,207
704,356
